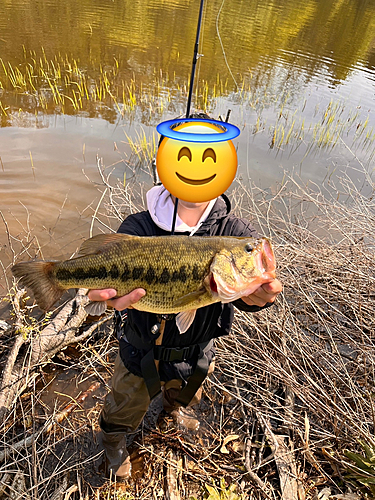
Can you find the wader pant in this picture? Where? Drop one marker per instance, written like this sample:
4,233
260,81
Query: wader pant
127,403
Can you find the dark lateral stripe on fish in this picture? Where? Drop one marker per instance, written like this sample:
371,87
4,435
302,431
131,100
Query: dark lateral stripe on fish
114,272
125,275
165,276
150,275
79,273
138,273
195,272
180,275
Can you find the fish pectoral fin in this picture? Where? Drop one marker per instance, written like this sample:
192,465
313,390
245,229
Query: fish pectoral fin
96,308
189,298
96,243
184,320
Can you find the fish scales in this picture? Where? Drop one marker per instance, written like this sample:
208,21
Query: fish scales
179,273
167,268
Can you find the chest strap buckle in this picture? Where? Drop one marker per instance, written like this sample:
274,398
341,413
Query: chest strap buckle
174,353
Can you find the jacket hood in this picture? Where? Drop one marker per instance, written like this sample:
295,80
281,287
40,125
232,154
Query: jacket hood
161,207
220,210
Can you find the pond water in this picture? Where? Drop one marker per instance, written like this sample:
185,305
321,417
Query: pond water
82,78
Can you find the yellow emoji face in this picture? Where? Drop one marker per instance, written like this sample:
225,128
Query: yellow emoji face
196,171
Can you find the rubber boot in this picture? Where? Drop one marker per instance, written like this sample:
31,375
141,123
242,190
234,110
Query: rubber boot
117,460
184,419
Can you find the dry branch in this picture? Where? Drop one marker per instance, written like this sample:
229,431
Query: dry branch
294,382
58,334
70,407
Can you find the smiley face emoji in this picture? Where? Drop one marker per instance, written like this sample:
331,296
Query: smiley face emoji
195,162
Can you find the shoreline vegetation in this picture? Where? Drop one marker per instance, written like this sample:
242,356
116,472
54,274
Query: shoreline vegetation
40,86
289,412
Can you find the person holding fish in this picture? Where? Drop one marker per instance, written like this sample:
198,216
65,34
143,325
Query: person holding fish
175,351
174,274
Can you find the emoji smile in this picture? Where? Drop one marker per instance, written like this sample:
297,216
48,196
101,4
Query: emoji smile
195,182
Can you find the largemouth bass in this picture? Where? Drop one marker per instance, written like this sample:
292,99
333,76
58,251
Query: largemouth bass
179,273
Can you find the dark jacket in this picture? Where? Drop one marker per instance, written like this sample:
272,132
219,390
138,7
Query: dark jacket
210,322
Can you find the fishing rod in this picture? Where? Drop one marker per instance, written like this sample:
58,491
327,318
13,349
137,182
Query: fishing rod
195,59
191,85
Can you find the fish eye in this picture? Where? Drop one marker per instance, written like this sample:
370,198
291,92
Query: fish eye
248,248
209,153
184,152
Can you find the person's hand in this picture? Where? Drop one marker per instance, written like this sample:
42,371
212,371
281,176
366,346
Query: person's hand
264,294
120,303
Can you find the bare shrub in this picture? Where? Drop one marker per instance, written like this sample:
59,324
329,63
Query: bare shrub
293,386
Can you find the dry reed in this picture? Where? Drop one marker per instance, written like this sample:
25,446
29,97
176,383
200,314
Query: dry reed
298,376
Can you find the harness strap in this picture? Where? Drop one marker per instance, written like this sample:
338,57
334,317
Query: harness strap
196,379
150,366
150,362
150,374
162,353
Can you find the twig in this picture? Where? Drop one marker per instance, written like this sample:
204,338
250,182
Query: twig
8,236
70,407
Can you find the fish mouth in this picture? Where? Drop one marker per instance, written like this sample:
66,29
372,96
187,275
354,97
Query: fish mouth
265,264
266,258
195,182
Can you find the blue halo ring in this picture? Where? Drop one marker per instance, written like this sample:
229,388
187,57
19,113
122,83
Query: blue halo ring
164,129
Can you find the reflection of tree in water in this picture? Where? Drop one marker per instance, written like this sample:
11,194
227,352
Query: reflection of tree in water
32,115
310,37
304,39
371,58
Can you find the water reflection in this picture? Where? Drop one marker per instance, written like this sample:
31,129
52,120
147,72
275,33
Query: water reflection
316,40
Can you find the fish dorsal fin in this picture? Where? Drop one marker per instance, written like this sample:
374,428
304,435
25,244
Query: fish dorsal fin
184,320
189,298
96,243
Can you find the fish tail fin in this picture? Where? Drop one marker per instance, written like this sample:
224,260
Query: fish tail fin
38,277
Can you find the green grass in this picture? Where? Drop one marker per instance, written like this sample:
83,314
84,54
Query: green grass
60,85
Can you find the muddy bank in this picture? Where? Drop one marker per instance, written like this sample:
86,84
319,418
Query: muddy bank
290,396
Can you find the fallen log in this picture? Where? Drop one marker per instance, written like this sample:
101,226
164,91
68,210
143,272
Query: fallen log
58,334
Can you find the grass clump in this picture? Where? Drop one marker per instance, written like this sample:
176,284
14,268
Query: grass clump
362,473
60,85
220,493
